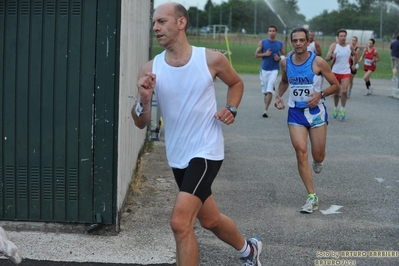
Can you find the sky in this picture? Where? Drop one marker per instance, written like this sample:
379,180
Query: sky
309,8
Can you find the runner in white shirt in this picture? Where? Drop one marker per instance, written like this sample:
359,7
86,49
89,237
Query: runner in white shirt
314,46
182,79
341,52
355,63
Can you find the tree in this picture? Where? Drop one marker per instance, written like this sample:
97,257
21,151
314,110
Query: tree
362,15
208,5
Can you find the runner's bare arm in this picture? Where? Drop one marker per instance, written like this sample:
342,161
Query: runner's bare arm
357,56
258,51
326,72
141,110
282,87
361,57
330,53
220,67
319,52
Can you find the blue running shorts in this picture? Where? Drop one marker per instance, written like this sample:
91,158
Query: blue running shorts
308,117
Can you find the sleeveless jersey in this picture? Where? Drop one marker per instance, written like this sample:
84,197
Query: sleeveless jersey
341,63
368,56
312,47
302,81
268,62
186,98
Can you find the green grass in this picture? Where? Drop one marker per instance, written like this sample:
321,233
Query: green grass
244,61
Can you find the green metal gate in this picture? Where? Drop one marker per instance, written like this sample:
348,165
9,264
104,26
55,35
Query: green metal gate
57,114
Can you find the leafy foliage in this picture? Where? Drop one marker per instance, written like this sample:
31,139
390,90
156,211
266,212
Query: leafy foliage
377,15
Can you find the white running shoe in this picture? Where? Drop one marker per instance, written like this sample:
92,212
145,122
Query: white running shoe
312,204
317,167
253,258
8,248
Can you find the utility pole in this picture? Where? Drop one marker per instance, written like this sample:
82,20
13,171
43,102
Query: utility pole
220,15
209,16
197,17
230,15
380,19
255,14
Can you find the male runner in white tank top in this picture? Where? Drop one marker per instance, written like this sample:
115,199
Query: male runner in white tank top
314,45
182,80
341,52
356,57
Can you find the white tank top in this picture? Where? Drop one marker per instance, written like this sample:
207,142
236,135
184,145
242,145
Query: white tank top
187,101
341,63
312,47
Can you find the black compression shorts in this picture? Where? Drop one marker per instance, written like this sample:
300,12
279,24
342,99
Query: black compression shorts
198,177
353,71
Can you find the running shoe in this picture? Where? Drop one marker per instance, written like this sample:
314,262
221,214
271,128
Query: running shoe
342,115
8,248
312,204
335,114
371,90
265,115
367,93
394,79
317,167
256,249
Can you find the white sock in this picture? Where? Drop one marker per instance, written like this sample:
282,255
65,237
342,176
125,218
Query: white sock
245,251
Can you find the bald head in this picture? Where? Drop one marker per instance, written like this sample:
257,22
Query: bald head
177,10
311,36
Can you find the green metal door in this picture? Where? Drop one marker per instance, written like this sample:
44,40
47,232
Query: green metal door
48,99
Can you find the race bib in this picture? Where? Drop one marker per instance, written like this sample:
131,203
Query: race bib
367,62
300,93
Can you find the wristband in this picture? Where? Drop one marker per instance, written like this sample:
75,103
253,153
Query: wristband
139,108
282,57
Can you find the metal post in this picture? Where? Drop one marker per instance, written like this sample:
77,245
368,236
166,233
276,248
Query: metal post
381,37
198,31
256,3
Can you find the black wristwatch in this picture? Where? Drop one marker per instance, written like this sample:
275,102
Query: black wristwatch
323,96
232,109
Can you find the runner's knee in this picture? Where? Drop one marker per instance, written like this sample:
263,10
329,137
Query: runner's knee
180,225
210,222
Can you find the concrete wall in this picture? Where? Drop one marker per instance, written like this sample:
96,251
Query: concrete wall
134,52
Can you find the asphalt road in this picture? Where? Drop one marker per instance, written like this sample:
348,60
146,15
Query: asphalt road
259,187
28,262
